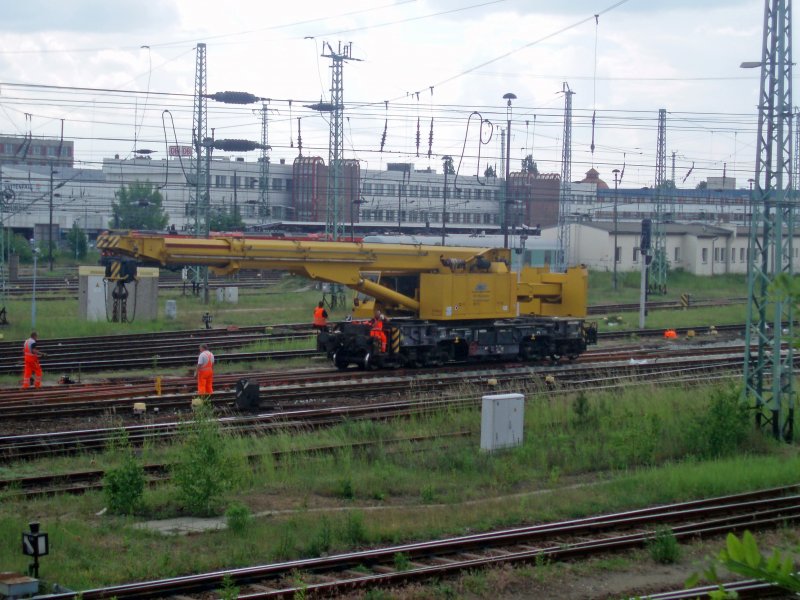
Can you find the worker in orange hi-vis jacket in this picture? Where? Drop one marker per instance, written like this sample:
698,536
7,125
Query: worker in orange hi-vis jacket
205,371
33,370
320,317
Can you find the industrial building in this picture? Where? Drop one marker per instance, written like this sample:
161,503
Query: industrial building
398,198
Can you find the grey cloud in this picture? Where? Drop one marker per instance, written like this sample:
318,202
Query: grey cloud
95,16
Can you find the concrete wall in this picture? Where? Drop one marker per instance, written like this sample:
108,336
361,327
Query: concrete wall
95,302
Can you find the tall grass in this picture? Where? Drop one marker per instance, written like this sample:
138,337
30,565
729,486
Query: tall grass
598,452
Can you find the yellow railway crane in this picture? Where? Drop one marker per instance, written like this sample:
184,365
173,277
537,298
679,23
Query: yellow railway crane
443,303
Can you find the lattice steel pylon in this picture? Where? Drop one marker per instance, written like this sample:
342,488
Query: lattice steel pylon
334,225
263,176
663,212
199,132
564,190
768,373
201,157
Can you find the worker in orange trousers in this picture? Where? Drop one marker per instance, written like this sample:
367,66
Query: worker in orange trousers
205,371
33,370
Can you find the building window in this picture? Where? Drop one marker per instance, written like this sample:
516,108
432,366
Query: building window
487,218
390,189
468,193
704,255
51,151
379,189
733,255
722,254
635,255
219,180
716,254
288,185
252,182
434,192
677,254
618,254
8,148
423,191
277,183
367,188
37,150
741,254
478,194
413,191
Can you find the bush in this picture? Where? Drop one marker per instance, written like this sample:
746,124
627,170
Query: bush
664,548
723,428
123,485
238,518
203,472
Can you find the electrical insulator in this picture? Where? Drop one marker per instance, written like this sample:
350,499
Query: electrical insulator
234,97
235,145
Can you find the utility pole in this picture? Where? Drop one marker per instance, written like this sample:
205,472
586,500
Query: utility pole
446,161
768,370
616,226
263,179
50,224
658,266
565,191
507,200
333,221
200,151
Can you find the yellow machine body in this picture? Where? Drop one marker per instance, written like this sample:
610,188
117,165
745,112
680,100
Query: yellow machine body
449,283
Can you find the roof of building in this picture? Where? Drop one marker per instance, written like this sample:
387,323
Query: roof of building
592,176
695,229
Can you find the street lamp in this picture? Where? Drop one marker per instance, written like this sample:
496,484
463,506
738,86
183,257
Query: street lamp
509,96
616,183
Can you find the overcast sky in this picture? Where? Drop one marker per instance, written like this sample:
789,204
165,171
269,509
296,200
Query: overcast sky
440,59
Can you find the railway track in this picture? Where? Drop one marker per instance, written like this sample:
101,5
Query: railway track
66,287
162,349
320,403
399,565
286,387
80,482
179,348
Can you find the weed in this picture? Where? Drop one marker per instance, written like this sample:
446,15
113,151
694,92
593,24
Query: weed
123,485
203,473
724,426
580,406
428,494
323,539
354,531
664,547
238,518
401,562
228,591
344,489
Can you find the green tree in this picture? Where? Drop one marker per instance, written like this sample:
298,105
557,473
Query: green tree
448,165
703,185
20,246
223,219
529,166
76,238
489,172
138,206
667,185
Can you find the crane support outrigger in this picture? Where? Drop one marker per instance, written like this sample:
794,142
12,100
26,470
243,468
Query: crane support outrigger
443,303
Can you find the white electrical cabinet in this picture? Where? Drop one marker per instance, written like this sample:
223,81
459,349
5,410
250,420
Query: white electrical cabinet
502,417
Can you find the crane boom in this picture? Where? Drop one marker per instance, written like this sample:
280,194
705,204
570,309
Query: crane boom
431,282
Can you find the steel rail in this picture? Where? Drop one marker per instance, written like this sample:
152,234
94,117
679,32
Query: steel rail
547,541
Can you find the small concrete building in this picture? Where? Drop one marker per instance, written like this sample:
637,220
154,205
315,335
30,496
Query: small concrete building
694,247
